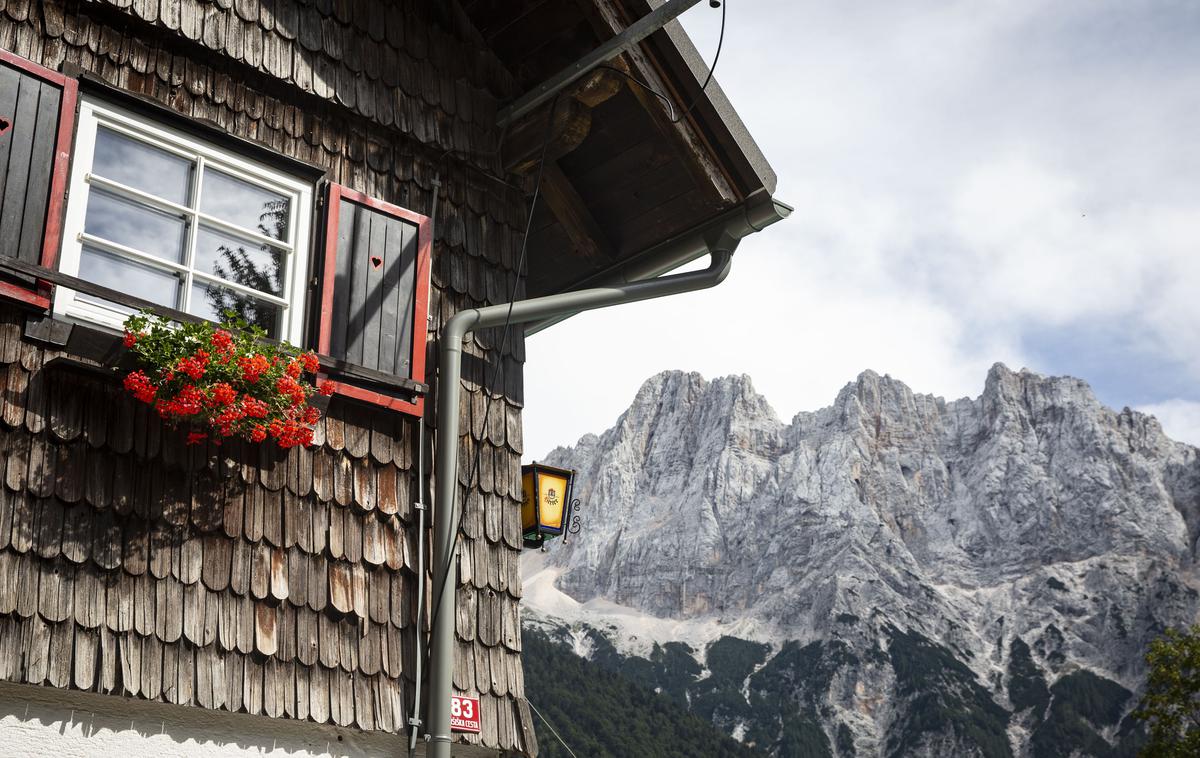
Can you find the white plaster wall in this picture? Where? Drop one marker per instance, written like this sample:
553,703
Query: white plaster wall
42,722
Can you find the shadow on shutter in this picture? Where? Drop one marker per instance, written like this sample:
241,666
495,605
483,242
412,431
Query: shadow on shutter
37,114
374,295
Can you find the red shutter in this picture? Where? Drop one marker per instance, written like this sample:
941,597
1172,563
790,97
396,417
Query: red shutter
374,297
37,108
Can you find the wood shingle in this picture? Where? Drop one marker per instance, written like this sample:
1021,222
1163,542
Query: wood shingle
240,577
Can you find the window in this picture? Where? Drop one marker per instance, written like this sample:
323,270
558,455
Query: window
183,223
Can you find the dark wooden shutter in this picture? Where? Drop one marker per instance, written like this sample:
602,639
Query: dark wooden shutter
37,115
375,287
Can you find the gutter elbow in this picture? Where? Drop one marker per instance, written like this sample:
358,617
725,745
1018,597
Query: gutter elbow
721,264
721,249
456,329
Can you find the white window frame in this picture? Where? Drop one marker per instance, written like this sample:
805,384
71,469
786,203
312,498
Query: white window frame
93,114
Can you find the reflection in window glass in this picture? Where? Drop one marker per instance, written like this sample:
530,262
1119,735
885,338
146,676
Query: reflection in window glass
213,302
122,274
136,164
176,220
132,224
241,261
245,204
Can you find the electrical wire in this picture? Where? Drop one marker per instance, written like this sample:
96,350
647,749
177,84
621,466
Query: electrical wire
676,117
498,371
712,68
666,100
552,730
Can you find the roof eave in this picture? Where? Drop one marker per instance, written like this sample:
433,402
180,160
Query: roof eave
714,100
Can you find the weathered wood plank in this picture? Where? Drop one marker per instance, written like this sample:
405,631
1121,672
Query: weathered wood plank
341,697
19,144
340,590
245,625
374,548
358,589
265,628
194,607
279,574
260,571
318,583
240,566
218,560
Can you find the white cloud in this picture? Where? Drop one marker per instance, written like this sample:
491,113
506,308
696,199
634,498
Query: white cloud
1180,419
966,176
1036,252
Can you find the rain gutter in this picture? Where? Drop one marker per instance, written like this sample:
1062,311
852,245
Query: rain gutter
758,212
633,283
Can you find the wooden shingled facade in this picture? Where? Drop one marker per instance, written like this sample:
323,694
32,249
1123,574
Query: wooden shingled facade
240,578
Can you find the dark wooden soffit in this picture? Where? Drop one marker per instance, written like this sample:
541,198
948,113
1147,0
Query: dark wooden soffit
625,169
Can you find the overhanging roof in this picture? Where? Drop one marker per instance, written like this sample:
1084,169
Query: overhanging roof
621,176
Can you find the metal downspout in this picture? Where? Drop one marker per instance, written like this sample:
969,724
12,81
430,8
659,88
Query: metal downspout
441,655
718,239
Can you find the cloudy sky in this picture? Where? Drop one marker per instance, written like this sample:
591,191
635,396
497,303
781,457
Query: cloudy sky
974,182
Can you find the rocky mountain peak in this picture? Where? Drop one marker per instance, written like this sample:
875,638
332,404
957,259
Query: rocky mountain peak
1030,516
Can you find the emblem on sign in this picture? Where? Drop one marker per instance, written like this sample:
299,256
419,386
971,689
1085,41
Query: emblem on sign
464,714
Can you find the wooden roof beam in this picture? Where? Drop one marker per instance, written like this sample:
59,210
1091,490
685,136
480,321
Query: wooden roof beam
568,207
621,39
522,145
572,122
606,20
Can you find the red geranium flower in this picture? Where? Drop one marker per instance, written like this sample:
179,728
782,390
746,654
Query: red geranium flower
183,375
223,394
222,341
195,365
139,385
253,367
253,407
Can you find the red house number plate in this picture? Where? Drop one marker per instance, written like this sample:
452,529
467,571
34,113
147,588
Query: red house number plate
464,714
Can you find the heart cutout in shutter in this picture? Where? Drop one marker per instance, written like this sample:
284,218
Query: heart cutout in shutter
4,124
376,261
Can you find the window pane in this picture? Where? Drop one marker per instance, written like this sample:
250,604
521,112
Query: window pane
132,224
128,161
241,261
211,301
128,276
245,204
